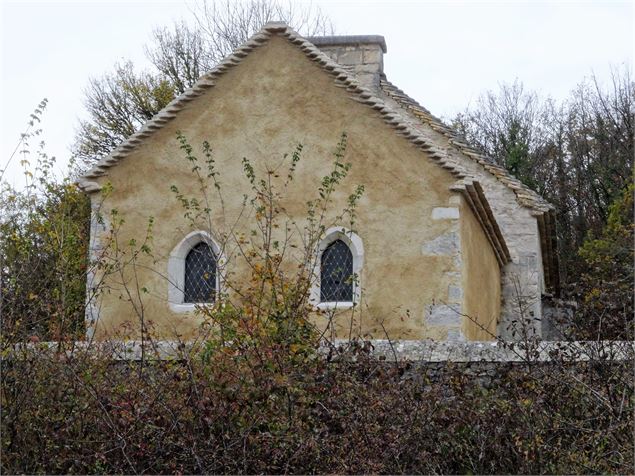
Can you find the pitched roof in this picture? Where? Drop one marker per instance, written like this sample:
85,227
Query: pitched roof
542,209
466,183
524,194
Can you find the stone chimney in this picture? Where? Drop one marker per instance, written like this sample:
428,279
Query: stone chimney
362,55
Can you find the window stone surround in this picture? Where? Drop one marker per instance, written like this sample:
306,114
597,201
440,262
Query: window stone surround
356,245
176,269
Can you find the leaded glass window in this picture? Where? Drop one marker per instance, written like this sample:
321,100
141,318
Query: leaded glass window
200,274
336,273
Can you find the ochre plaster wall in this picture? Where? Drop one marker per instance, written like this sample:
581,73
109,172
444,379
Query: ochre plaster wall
481,279
260,109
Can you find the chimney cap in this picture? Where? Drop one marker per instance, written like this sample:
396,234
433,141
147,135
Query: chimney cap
349,40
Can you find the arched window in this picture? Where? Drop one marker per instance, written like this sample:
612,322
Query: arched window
200,274
336,273
194,272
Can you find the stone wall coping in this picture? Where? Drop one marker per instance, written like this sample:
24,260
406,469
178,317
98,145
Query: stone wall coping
349,40
382,349
497,351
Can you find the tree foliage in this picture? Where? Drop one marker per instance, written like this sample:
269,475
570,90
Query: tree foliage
44,236
605,291
118,104
509,126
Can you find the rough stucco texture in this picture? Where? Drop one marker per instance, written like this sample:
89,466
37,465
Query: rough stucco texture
481,280
275,99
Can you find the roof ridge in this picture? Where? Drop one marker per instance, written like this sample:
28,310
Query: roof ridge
524,194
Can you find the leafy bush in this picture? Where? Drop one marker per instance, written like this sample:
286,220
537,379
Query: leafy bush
44,234
605,291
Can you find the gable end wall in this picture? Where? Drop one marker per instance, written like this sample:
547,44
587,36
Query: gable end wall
294,100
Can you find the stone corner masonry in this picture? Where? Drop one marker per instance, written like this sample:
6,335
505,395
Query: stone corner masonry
362,55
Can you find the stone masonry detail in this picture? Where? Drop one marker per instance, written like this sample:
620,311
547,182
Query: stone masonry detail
446,317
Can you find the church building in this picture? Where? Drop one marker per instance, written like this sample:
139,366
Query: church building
446,245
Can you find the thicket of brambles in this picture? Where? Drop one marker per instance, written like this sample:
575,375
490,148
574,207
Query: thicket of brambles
256,392
274,410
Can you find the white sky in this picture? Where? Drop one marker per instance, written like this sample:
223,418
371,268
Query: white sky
444,54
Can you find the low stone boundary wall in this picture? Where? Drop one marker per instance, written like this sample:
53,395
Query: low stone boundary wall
400,350
492,351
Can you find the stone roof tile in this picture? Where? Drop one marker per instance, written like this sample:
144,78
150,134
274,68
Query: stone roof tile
524,194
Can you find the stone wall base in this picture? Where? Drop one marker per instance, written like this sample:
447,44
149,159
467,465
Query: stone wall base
400,350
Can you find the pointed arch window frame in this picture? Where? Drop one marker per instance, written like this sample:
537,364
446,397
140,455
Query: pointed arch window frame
356,247
176,270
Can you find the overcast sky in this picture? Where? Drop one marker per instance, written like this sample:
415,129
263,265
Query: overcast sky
444,54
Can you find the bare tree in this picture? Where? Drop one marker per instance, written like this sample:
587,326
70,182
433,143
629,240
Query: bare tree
600,147
509,126
577,153
226,24
119,102
180,54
